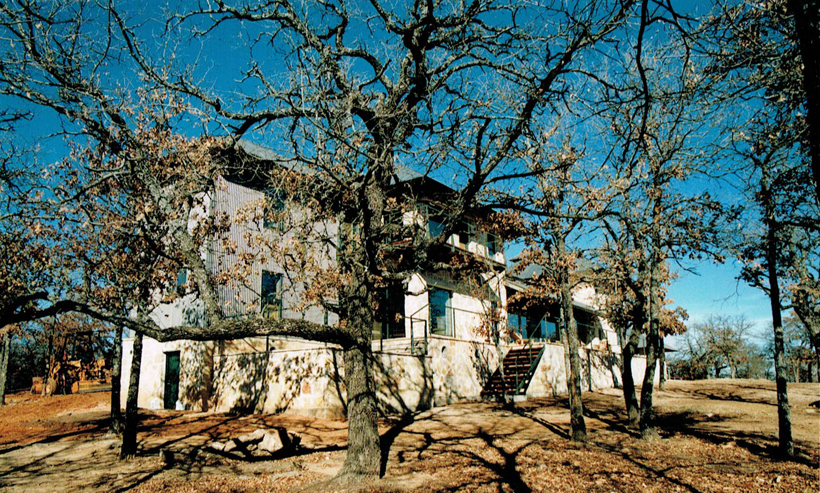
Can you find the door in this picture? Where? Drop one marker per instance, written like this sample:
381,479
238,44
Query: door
171,394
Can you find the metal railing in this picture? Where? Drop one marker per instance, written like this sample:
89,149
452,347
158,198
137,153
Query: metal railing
412,334
531,369
413,338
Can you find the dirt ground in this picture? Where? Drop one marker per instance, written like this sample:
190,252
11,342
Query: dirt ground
714,436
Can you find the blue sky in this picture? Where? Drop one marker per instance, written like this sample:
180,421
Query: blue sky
715,291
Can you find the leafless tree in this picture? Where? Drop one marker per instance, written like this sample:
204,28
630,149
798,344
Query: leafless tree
348,92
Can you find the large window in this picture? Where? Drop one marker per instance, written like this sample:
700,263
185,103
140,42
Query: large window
550,330
271,295
588,326
546,330
441,312
388,321
518,324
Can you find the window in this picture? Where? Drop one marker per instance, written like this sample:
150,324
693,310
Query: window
441,312
494,316
274,206
492,244
588,326
388,321
547,330
271,295
462,234
435,222
182,280
517,323
550,330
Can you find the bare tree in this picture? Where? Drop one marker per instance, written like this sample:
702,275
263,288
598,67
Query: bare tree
774,184
561,202
806,18
347,92
655,119
5,353
761,59
722,340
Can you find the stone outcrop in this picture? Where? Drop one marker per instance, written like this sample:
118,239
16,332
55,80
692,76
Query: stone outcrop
259,443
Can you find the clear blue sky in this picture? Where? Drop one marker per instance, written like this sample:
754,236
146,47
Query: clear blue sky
716,292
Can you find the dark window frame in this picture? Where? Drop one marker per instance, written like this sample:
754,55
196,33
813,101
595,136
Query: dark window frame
448,328
271,303
273,202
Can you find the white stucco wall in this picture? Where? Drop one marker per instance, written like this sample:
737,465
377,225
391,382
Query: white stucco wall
152,370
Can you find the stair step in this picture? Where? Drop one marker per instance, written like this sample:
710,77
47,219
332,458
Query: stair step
516,363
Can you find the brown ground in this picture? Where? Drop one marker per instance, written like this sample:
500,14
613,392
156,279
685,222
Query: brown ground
714,436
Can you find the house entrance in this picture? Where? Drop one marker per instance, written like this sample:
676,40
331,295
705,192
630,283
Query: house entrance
171,394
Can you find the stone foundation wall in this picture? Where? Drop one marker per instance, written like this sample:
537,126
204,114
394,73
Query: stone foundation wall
460,368
308,378
310,381
599,369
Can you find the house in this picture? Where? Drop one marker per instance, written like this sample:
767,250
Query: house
432,339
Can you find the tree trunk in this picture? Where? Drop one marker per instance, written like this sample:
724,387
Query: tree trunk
49,362
780,365
630,397
5,353
363,450
816,343
207,375
129,432
647,425
629,350
807,27
115,423
576,406
662,365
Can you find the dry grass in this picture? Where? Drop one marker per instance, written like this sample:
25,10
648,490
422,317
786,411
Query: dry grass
714,436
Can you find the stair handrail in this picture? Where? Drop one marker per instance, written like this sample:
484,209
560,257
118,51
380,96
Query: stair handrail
517,383
532,368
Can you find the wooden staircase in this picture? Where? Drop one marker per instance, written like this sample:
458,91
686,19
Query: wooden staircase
519,366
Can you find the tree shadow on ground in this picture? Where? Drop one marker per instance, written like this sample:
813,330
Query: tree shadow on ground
483,448
760,444
92,458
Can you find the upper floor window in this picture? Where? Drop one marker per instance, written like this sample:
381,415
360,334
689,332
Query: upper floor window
588,326
271,295
493,245
435,221
549,330
463,234
274,205
182,280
